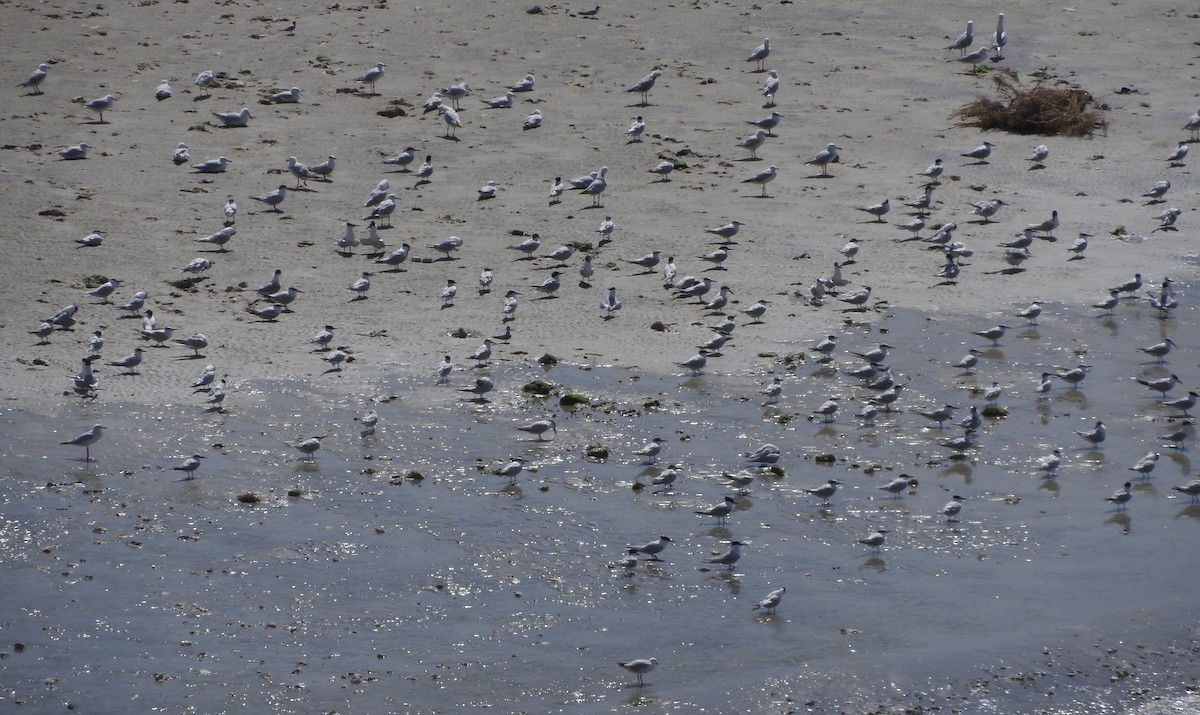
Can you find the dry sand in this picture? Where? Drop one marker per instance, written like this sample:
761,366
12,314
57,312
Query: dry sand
872,79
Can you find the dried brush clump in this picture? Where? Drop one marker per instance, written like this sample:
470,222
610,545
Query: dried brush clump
1049,107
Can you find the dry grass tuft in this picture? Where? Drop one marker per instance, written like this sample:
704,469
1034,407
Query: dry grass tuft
1048,107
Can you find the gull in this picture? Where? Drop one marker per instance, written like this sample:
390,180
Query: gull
309,447
207,375
753,142
994,334
999,38
335,359
825,491
212,166
1166,219
939,414
532,121
273,198
129,362
91,240
35,78
290,96
583,182
1162,385
858,298
99,106
696,362
448,293
451,119
1094,436
765,454
1047,227
266,313
716,257
729,558
721,510
965,39
1193,125
585,272
444,368
181,154
1130,286
986,209
670,270
373,241
727,231
198,265
456,92
968,361
1192,489
403,159
324,170
898,485
610,304
975,57
1145,465
482,386
371,76
663,169
934,170
598,185
980,153
550,285
760,53
771,602
505,102
103,290
770,87
824,158
234,119
651,549
556,190
189,466
539,428
762,178
528,246
651,450
361,286
483,352
74,153
95,343
433,103
524,85
487,191
219,239
757,311
1156,192
768,123
195,342
383,212
1184,403
425,170
1075,375
64,318
639,667
1159,350
204,80
1121,497
643,87
875,540
635,130
510,470
827,410
952,508
510,305
1179,154
773,391
877,210
86,440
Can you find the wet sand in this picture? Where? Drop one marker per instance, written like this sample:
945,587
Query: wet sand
371,591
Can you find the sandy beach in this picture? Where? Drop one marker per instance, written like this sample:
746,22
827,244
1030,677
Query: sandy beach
875,80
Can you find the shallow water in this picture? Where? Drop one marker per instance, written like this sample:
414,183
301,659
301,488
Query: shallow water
370,592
